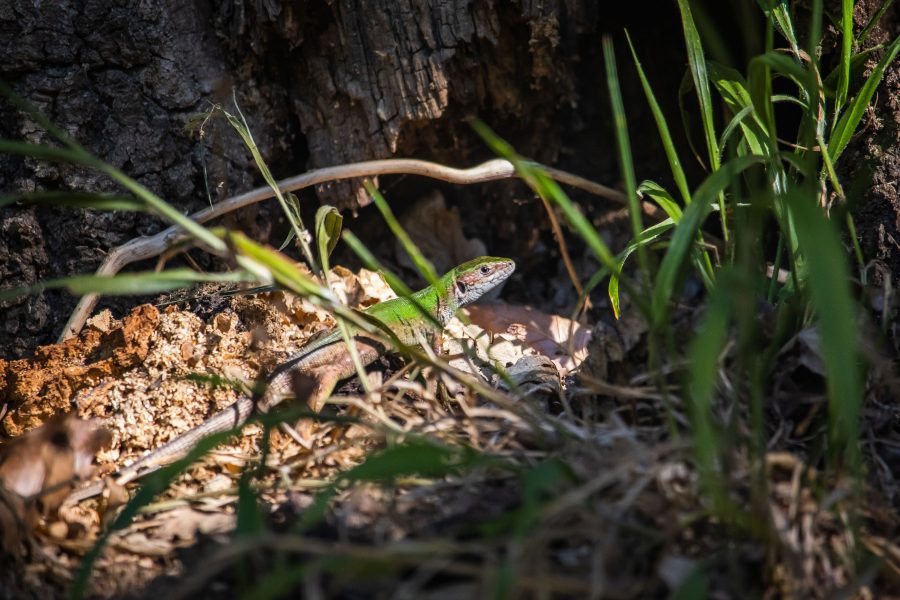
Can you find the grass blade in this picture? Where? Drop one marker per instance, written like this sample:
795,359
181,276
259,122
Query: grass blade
687,229
734,91
846,47
779,13
50,153
549,189
625,158
663,127
836,323
243,130
422,264
76,199
127,284
849,121
703,353
885,4
647,236
662,197
697,64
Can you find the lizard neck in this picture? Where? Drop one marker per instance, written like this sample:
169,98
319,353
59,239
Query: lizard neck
439,301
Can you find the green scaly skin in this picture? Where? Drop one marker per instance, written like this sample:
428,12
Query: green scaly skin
327,360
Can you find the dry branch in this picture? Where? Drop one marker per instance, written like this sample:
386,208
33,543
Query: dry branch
148,247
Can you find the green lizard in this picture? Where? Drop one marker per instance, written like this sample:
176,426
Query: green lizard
328,360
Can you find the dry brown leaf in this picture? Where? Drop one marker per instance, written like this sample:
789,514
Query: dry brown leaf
59,452
437,231
361,290
40,468
375,287
185,523
563,340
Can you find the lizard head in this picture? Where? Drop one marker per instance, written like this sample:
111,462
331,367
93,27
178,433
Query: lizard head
471,280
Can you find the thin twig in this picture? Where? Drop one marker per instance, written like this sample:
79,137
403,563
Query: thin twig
148,247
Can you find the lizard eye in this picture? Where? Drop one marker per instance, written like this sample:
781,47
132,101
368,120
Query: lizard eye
485,269
461,286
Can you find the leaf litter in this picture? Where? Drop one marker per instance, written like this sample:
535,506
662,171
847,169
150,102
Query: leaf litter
594,479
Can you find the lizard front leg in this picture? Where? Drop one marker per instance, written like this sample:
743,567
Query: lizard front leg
340,366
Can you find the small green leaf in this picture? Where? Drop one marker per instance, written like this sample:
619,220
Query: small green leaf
328,231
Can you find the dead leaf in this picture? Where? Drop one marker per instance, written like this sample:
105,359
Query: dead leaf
40,468
437,231
58,453
376,288
361,290
185,523
563,340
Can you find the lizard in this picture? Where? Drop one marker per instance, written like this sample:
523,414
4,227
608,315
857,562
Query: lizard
328,360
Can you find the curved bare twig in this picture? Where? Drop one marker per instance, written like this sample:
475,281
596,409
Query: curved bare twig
150,246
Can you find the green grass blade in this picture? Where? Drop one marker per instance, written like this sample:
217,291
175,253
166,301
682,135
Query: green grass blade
250,520
738,122
734,91
550,190
625,159
687,230
846,48
815,31
857,70
127,284
239,124
778,12
422,264
663,127
703,354
398,285
697,65
50,153
268,264
76,199
662,197
836,323
150,200
759,84
864,34
164,209
44,122
646,237
849,121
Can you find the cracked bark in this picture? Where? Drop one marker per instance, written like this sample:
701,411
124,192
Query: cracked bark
321,83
